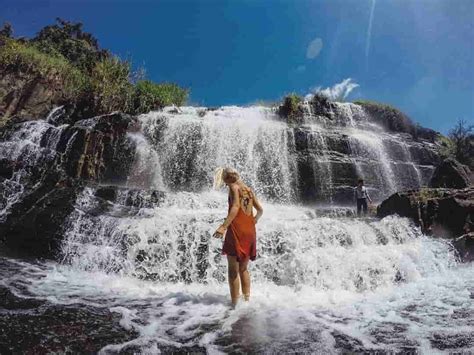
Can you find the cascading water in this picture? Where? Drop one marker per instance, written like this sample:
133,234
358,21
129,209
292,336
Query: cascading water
190,147
28,147
320,284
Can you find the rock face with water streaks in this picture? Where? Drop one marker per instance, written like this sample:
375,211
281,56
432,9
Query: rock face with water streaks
44,166
316,160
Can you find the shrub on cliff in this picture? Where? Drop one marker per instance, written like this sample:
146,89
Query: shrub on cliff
151,96
110,87
291,107
462,138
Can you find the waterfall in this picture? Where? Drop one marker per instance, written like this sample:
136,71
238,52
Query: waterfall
270,154
171,242
323,281
370,145
31,147
322,164
191,147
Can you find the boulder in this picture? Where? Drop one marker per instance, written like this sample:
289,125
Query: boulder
451,174
444,213
33,226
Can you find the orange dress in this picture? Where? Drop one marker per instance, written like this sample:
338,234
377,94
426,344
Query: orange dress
241,237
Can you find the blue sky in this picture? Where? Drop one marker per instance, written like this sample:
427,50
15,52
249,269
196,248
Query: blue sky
417,56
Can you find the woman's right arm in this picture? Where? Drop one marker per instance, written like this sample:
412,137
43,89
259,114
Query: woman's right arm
258,207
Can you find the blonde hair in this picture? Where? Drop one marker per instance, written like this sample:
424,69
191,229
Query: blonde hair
221,174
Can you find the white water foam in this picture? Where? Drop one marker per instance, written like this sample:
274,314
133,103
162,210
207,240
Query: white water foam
325,283
407,315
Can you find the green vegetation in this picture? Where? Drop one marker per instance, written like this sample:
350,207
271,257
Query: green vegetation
446,147
291,108
71,59
68,39
149,95
110,85
462,143
426,194
26,58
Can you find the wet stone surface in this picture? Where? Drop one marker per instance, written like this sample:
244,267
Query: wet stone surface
452,341
35,326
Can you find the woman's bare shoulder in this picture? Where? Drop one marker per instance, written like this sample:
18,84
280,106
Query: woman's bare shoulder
234,187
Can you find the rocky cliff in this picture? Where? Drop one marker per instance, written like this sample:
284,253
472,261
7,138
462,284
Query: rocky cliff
26,97
43,168
441,212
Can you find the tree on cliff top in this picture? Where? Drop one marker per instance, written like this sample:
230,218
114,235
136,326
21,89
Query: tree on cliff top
462,137
69,40
6,30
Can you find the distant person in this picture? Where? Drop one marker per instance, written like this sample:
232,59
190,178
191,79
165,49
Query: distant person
239,229
361,196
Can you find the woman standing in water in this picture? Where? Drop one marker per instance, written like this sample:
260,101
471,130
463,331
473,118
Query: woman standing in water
239,229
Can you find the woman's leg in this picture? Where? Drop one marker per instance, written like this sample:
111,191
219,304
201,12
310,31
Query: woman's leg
245,278
233,274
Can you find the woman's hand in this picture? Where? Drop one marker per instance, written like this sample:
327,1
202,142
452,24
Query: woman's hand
219,233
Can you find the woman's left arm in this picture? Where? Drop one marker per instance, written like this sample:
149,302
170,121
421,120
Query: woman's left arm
234,209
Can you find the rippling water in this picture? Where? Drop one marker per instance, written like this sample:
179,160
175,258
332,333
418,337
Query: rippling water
435,314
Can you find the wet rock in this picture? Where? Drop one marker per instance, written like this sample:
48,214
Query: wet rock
451,174
452,341
97,148
465,246
395,120
10,301
444,213
107,193
34,326
346,343
130,197
34,224
6,168
329,163
40,185
24,97
321,105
